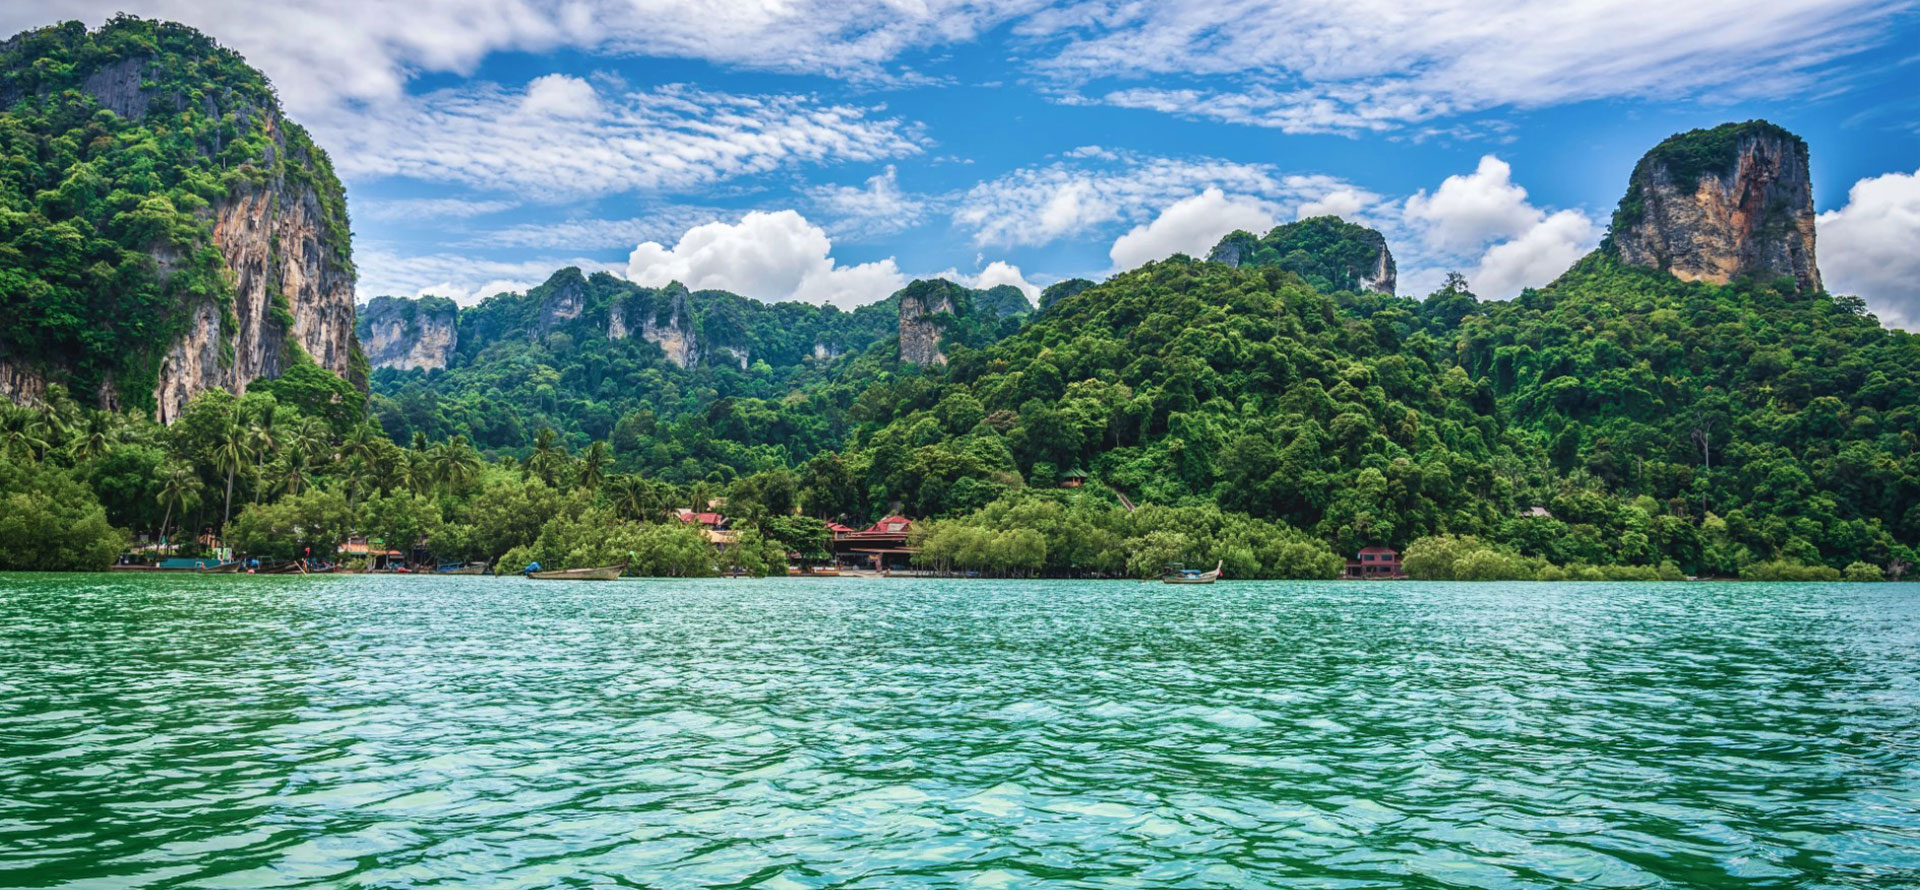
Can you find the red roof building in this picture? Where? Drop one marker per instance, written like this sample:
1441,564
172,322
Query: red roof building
882,545
1377,563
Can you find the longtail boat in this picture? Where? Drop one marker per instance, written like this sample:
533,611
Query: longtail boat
1194,576
598,573
472,568
224,568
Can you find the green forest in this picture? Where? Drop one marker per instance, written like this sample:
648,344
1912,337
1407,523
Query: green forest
1264,409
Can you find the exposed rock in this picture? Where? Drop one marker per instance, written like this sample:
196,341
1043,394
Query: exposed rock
117,87
566,299
1330,253
826,352
925,309
410,335
277,243
665,319
1717,205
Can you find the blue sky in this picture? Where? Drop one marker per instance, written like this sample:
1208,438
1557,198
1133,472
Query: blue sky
830,151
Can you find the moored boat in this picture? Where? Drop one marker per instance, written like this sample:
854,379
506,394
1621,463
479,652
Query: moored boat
1194,576
472,568
223,568
597,573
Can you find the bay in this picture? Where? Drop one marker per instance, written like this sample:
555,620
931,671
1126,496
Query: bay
479,732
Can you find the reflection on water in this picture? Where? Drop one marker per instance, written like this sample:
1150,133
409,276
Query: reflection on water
476,732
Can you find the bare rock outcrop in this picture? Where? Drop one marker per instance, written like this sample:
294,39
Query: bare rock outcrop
410,335
665,319
293,289
1723,204
925,309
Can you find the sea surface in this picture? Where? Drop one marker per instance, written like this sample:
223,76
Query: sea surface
476,732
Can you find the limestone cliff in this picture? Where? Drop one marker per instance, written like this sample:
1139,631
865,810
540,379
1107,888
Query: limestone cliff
237,265
1330,253
1717,205
925,309
293,293
663,318
410,335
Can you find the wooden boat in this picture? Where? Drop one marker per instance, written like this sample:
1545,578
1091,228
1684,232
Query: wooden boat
472,568
297,568
598,573
224,568
1194,576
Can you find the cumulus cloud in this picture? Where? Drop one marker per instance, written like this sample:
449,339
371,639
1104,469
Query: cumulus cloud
1471,210
1483,224
768,256
1371,65
1868,247
996,273
1536,256
1098,188
559,137
874,209
1191,226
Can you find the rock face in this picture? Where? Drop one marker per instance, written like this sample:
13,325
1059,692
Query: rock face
410,335
281,291
292,288
667,323
1330,253
925,308
1717,205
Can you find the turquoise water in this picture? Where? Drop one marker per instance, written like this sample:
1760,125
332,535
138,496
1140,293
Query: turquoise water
475,732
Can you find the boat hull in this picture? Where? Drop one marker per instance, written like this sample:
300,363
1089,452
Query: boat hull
600,573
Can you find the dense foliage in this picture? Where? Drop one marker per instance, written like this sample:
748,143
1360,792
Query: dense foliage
1330,253
115,145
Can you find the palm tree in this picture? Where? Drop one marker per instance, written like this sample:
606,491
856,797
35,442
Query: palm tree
233,451
264,442
179,486
293,475
312,441
24,433
636,497
593,466
548,454
93,439
455,464
419,472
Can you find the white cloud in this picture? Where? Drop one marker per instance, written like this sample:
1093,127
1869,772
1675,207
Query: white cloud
465,279
1191,226
1469,211
428,208
1536,257
1483,224
1371,65
1345,202
768,256
559,138
597,234
996,273
1871,247
1101,188
865,212
325,55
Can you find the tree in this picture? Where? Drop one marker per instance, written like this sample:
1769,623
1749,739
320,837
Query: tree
179,488
231,452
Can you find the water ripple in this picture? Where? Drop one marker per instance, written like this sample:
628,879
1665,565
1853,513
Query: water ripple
425,732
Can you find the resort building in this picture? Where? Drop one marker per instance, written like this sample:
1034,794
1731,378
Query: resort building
1375,563
881,547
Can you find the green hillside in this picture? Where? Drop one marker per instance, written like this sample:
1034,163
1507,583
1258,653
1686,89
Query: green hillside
114,146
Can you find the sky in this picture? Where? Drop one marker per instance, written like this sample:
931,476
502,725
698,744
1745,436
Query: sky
833,150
